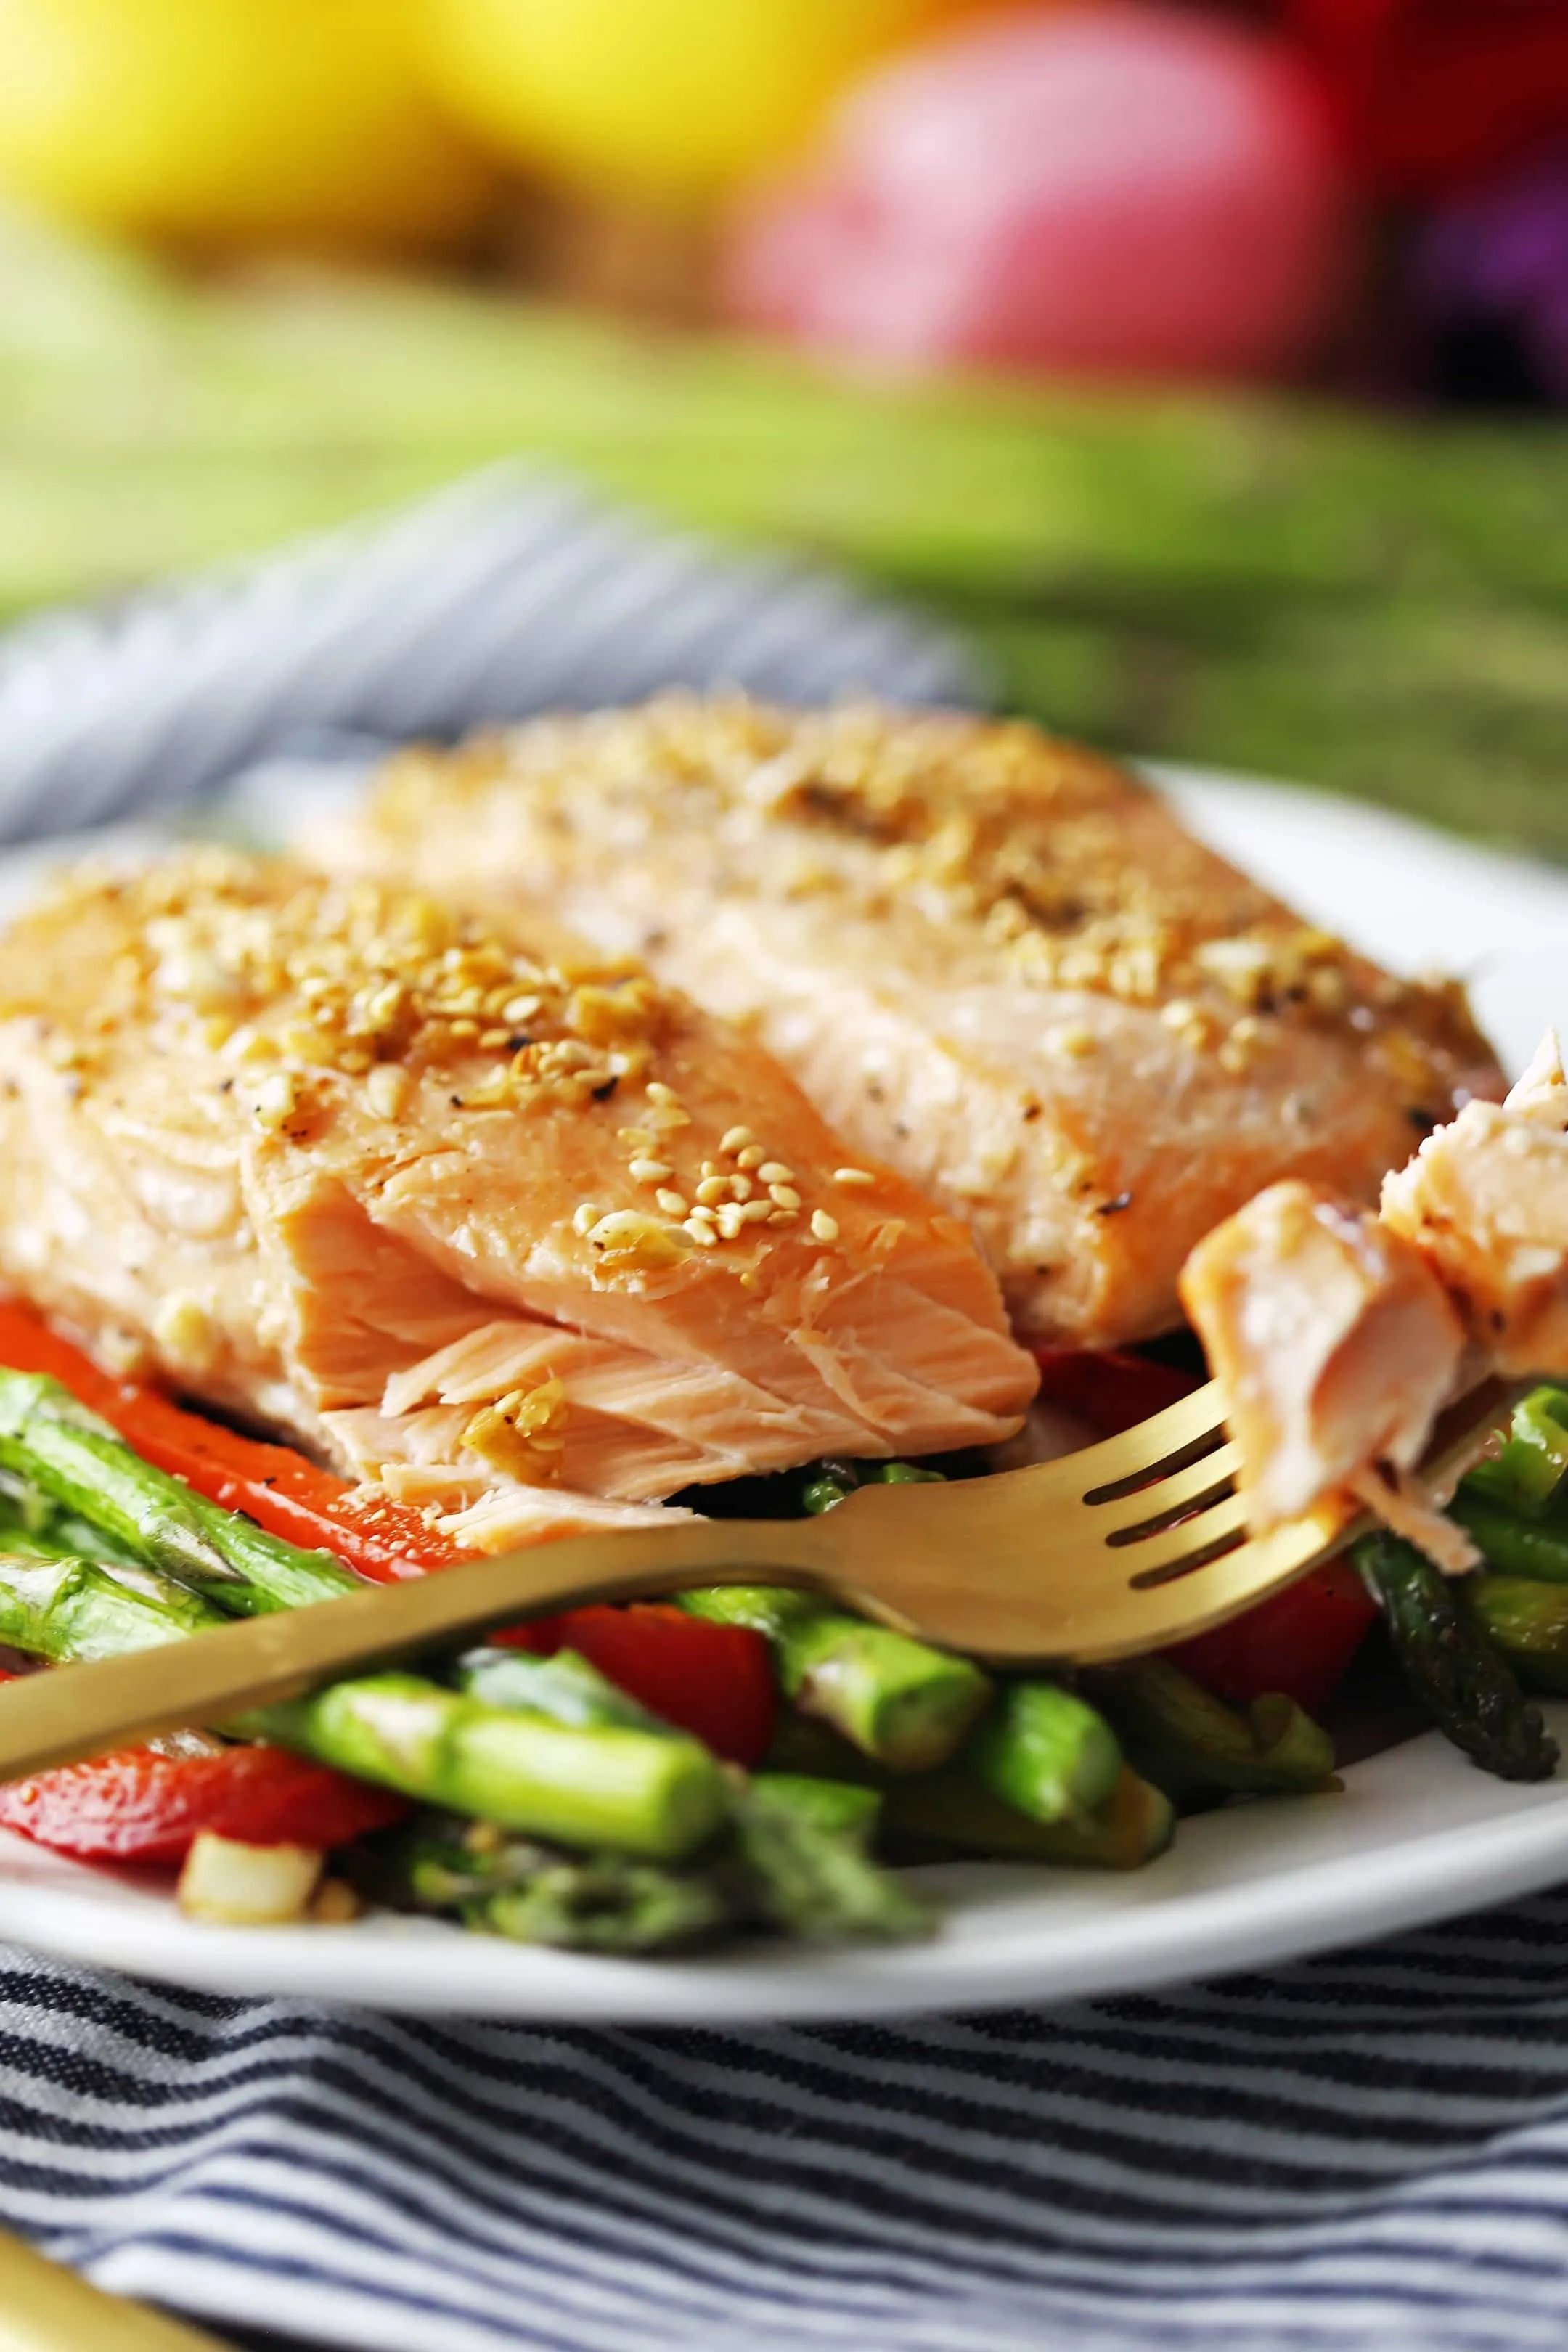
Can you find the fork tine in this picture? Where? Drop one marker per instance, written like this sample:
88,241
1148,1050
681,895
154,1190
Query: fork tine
1181,1491
1185,1605
1135,1455
1170,1545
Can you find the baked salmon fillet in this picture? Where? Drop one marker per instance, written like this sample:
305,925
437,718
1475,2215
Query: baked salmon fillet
994,960
535,1245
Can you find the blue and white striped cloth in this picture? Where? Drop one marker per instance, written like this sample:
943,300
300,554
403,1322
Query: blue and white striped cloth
1364,2153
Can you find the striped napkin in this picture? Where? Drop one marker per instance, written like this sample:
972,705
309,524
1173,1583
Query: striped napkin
1364,2153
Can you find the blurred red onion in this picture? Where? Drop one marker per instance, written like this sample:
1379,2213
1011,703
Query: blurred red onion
1122,188
1489,289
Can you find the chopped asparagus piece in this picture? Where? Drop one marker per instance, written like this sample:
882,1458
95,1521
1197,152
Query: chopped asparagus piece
566,1687
1509,1541
1527,1621
904,1702
1190,1743
635,1792
1045,1751
1453,1662
947,1808
797,1858
534,1892
846,1808
1530,1469
811,1880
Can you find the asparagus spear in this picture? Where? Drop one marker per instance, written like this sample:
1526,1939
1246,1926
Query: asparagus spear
1191,1744
1533,1463
797,1858
1527,1623
1449,1661
844,1808
832,1482
796,1873
532,1893
637,1791
83,1464
1045,1751
907,1705
948,1809
1507,1541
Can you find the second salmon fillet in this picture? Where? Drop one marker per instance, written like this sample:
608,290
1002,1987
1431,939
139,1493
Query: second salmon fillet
992,960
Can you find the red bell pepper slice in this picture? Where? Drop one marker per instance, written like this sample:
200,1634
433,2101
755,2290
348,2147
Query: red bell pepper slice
272,1485
716,1681
1107,1387
145,1807
1300,1641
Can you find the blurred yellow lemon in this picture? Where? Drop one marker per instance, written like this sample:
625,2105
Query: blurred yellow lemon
672,99
233,122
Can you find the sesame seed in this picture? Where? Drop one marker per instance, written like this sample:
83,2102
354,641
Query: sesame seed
741,1188
824,1227
701,1233
783,1196
735,1138
658,1092
705,1216
773,1171
731,1223
756,1212
712,1190
651,1172
853,1176
751,1157
781,1216
674,1205
585,1216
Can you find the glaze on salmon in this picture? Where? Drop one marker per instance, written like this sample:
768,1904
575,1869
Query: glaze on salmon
534,1246
992,961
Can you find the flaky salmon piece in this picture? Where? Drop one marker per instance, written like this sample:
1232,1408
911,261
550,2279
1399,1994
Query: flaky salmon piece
1486,1200
1331,1340
992,960
494,1231
1336,1338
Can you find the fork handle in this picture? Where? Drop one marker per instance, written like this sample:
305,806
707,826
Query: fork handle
55,1718
44,2308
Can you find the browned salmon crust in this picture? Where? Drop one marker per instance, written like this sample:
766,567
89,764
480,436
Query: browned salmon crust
378,1175
992,960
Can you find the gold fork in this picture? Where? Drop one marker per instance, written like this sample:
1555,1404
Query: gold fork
1131,1545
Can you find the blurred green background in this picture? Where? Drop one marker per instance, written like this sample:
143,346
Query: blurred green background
1347,564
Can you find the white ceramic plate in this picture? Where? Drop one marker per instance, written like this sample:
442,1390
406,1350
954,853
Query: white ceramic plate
1417,1834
